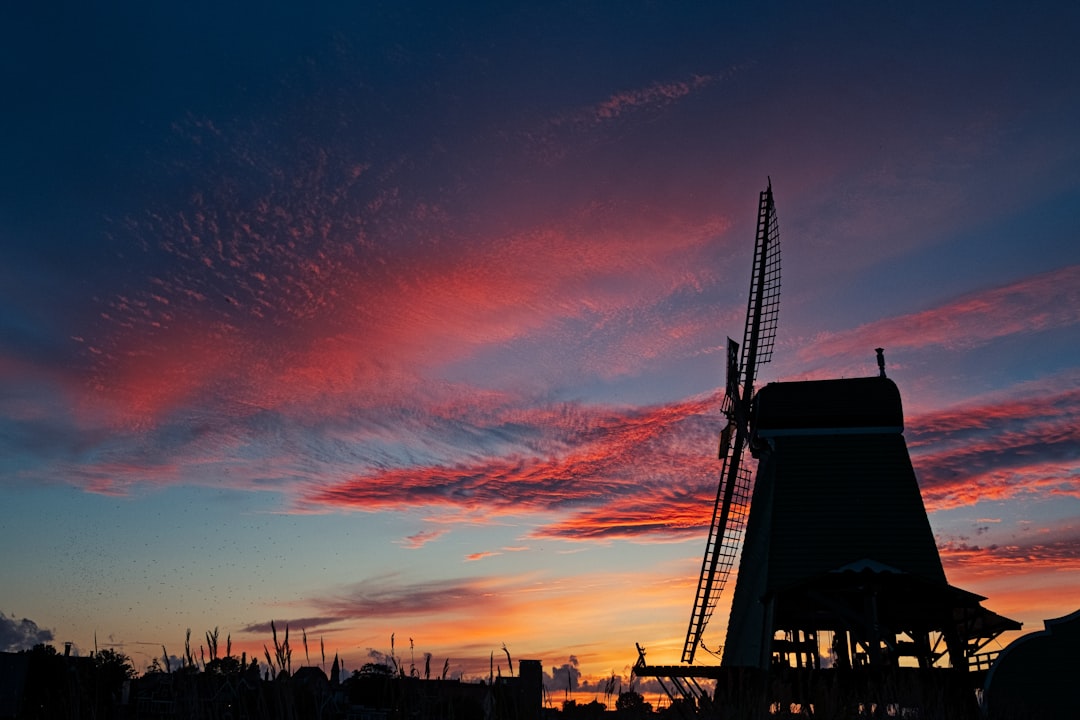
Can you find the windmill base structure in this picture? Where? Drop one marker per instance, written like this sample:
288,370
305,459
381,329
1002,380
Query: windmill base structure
841,605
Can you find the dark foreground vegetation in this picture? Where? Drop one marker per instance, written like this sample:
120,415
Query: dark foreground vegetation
44,684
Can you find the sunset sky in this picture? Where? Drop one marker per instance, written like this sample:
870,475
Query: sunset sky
410,318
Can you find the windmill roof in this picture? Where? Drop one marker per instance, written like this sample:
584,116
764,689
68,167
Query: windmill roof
855,405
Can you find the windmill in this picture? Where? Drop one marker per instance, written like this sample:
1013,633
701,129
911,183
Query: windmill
841,594
732,496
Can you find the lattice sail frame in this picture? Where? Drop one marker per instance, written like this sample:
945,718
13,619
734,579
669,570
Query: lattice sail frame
733,492
764,289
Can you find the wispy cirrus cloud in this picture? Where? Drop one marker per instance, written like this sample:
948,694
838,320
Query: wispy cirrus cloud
567,136
1053,554
391,596
472,616
661,514
651,458
651,96
999,450
1042,302
465,452
1030,575
437,610
280,625
422,538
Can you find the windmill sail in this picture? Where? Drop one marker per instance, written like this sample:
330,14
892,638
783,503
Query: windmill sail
732,496
763,306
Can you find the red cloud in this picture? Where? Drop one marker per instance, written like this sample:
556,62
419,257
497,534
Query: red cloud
273,307
661,514
640,466
148,374
649,473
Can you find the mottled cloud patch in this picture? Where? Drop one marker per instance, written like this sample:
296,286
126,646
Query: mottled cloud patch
472,557
308,292
116,479
1039,303
294,330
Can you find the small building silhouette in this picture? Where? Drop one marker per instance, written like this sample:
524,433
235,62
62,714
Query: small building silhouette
1036,674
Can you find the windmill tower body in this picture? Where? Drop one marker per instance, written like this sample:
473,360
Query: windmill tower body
836,503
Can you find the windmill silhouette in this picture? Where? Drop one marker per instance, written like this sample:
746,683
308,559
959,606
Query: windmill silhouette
840,584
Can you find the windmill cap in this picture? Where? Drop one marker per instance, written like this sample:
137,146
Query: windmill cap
829,407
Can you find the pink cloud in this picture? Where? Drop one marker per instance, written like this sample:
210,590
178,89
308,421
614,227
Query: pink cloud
998,450
656,94
422,538
639,466
142,376
343,311
1038,303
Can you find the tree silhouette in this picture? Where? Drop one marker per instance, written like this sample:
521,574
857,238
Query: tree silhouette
632,705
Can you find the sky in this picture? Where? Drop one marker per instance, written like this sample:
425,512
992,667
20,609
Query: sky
408,319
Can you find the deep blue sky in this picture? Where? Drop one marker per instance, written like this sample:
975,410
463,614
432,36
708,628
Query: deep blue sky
410,318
